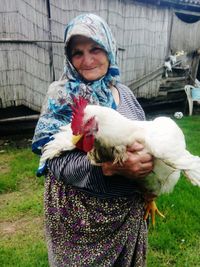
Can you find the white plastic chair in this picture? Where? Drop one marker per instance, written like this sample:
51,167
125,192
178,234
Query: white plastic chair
193,94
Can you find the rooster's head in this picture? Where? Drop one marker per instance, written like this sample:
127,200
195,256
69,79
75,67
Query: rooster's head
83,127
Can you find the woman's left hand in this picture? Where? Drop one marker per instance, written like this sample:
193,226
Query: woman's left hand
137,165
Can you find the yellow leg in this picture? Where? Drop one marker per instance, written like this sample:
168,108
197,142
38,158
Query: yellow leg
151,210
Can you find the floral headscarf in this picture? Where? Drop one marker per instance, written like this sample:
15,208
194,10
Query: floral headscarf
56,111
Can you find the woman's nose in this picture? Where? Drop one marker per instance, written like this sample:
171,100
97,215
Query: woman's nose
88,59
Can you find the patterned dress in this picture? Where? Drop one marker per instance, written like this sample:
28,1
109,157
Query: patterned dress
91,219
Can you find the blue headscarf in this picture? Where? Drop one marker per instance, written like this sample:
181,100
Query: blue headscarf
56,111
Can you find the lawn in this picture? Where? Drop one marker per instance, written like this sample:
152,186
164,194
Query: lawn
175,241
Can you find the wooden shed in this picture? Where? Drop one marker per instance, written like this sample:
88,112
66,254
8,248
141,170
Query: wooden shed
147,32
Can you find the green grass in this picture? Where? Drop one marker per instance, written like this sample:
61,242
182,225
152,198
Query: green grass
22,241
175,241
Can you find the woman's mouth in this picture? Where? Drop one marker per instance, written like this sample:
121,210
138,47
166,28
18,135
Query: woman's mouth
88,69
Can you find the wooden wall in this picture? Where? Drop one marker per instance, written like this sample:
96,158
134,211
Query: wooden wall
24,68
143,32
185,36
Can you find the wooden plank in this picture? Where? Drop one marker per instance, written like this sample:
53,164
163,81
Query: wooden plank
176,90
146,78
194,67
26,41
22,118
174,79
50,47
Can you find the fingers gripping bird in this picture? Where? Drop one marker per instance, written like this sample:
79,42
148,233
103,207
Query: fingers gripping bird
104,134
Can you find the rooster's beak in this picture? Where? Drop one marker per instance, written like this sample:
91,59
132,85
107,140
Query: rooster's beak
76,138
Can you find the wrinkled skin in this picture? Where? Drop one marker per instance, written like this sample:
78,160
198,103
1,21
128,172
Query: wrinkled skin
136,165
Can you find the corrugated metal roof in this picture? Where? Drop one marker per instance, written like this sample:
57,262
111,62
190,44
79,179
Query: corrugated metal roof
173,2
197,2
183,2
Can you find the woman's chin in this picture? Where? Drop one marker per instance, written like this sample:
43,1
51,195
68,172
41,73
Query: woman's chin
92,78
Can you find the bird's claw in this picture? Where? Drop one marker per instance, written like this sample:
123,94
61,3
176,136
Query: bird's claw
152,210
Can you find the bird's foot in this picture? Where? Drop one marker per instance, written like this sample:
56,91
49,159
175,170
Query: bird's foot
152,210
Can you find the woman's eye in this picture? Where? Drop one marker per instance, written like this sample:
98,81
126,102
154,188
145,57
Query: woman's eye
96,50
77,53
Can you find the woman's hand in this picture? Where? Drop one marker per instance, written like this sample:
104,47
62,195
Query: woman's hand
138,164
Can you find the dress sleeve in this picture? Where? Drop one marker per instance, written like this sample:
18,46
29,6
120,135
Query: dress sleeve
74,168
129,106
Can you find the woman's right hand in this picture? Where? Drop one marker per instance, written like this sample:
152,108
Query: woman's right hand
137,165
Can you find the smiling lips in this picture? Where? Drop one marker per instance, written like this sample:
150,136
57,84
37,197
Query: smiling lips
88,69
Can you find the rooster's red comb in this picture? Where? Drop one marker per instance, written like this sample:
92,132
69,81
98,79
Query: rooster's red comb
78,106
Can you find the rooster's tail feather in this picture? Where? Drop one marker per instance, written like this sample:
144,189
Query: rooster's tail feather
190,166
193,176
192,170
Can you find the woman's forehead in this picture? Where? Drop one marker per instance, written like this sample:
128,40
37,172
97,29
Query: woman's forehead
80,39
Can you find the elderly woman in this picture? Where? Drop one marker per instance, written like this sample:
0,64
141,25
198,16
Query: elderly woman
94,214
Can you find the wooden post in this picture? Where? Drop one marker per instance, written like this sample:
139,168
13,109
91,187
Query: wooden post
170,33
51,65
195,64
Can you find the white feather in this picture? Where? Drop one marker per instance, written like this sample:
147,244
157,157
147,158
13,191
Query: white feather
62,141
161,137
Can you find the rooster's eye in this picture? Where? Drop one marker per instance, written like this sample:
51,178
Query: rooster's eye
90,126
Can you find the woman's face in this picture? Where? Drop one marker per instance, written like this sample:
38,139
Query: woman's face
88,58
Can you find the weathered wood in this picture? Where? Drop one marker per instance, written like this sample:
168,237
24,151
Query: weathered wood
185,36
22,118
174,79
32,48
176,90
145,79
50,47
194,66
25,41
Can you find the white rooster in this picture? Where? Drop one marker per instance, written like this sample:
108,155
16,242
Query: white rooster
105,134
